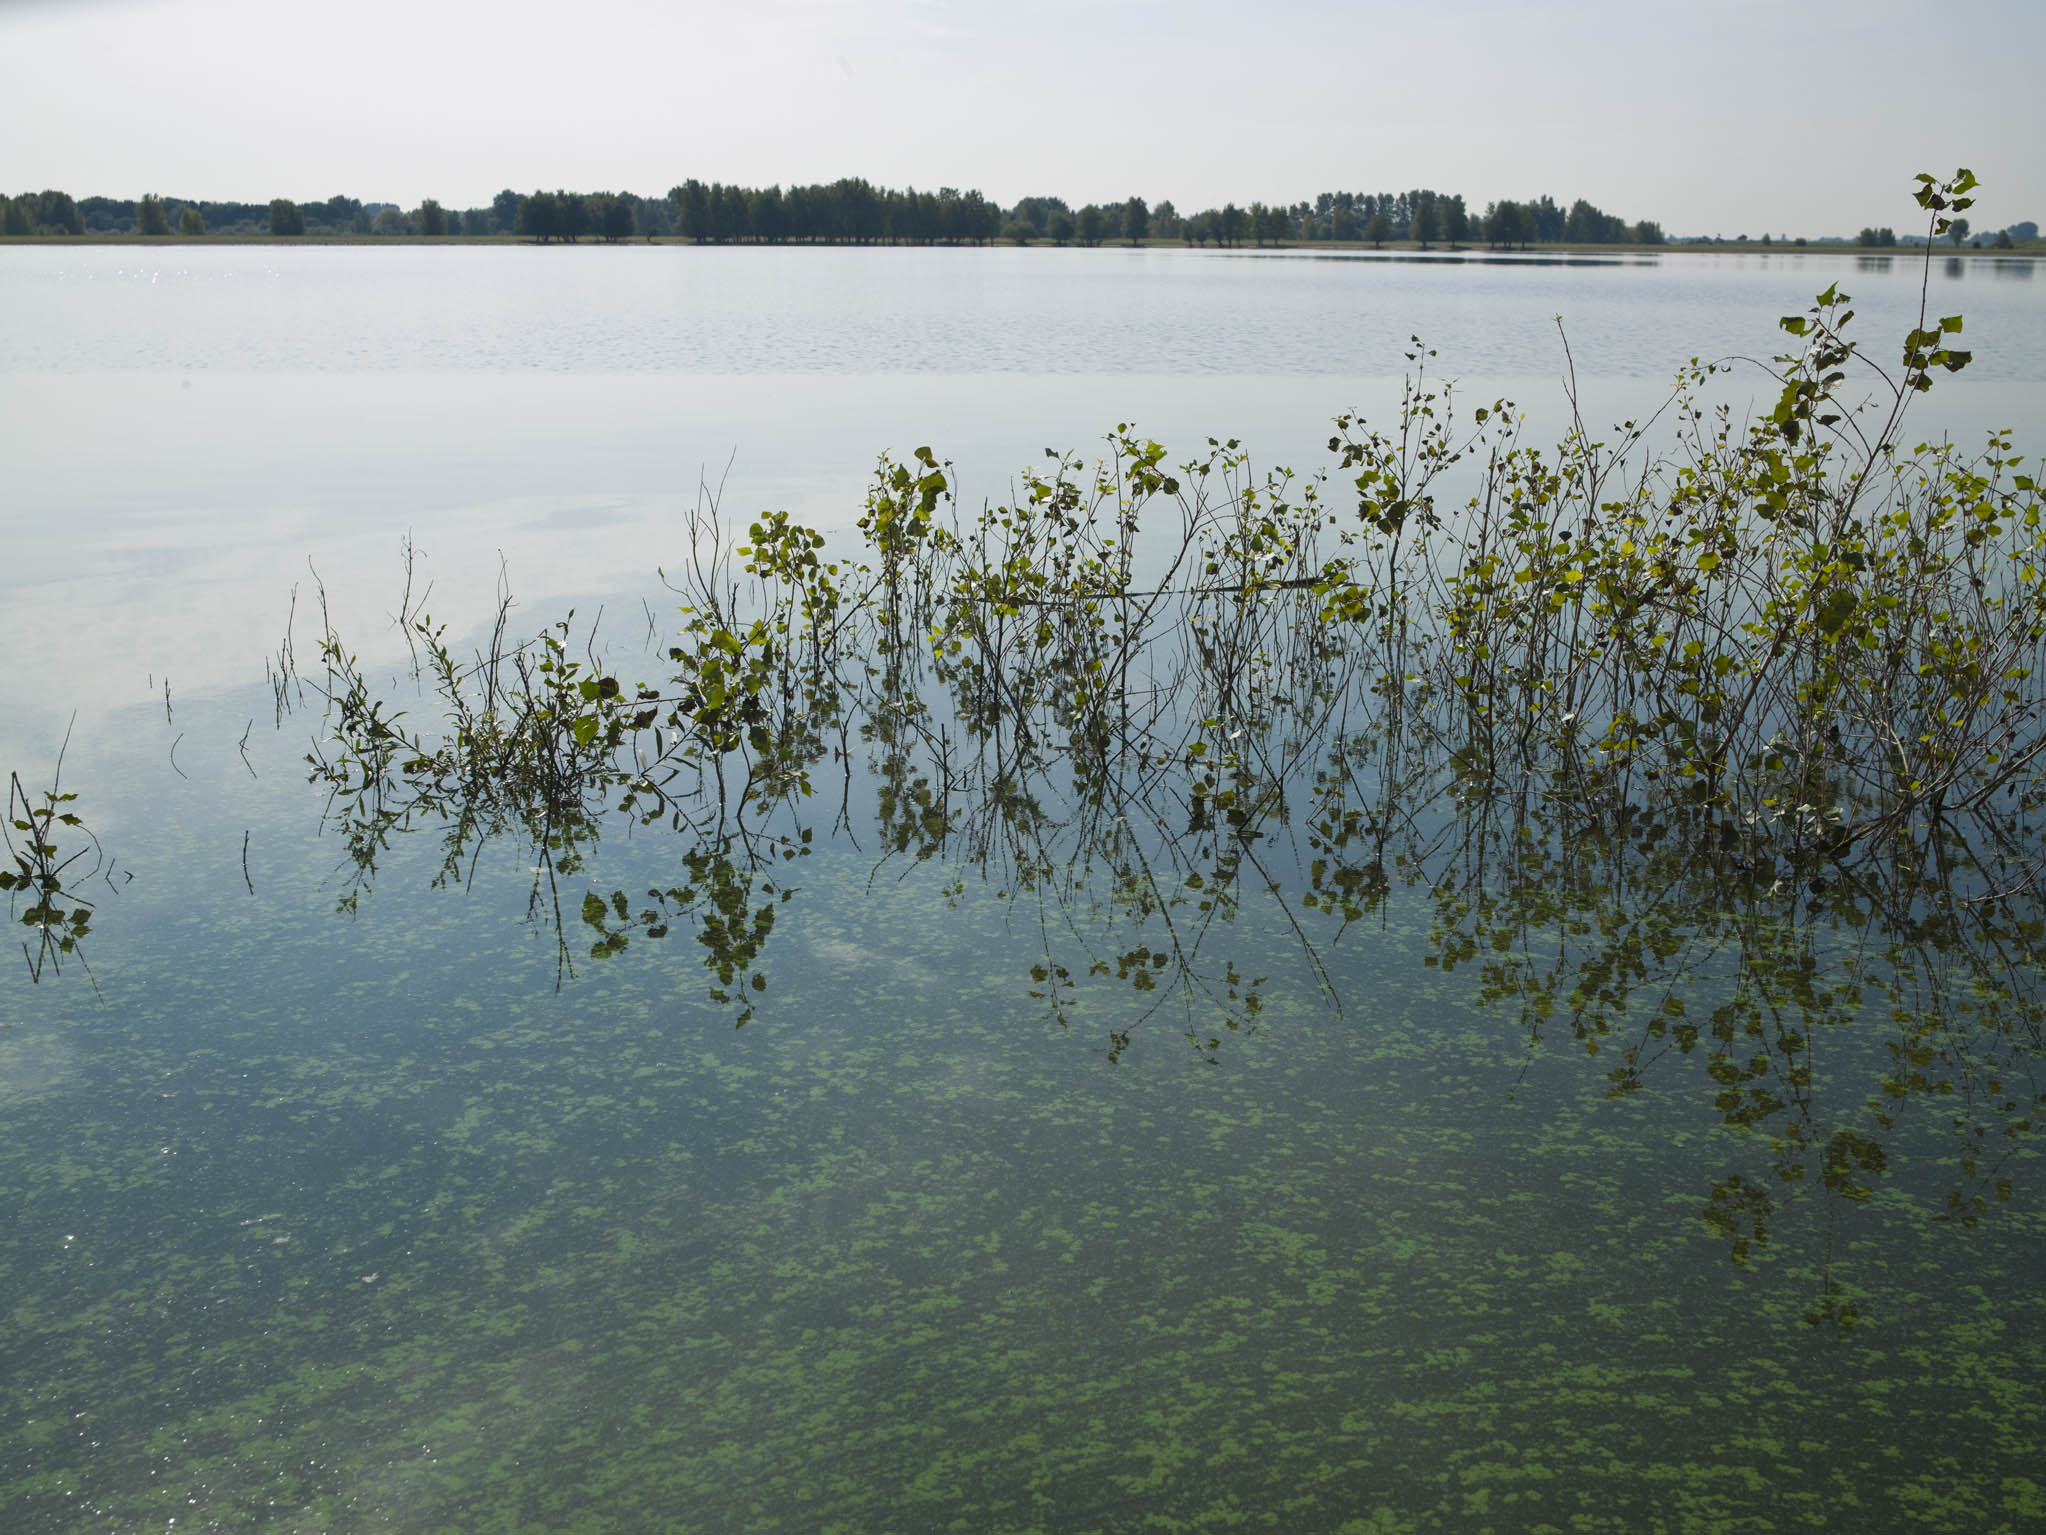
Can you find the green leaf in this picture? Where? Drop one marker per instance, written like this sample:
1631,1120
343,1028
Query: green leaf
1836,610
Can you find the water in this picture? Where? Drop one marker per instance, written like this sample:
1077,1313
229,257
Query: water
345,1198
187,430
802,311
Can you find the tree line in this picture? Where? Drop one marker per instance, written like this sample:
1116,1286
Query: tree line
2007,238
56,213
851,211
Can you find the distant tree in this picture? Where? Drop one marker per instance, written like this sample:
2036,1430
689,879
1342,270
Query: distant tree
191,222
14,217
1589,225
359,223
458,222
1378,229
952,221
1506,224
966,216
149,216
901,215
51,212
1165,221
691,204
285,217
1035,213
1648,232
614,219
861,216
2003,240
1456,221
107,215
2024,231
650,214
731,212
430,219
1265,223
1957,231
574,214
1136,220
504,211
390,222
336,212
1061,226
1229,225
769,213
1885,236
1427,220
540,217
1091,224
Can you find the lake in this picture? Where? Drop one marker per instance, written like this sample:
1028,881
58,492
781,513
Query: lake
985,1139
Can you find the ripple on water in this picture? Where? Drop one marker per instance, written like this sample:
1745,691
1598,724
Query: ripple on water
33,1065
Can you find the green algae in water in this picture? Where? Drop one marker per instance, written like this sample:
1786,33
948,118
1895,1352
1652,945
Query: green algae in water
367,1225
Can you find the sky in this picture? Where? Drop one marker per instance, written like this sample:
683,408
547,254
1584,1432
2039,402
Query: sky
1709,116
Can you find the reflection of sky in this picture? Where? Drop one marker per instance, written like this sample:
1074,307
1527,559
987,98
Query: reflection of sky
181,443
825,311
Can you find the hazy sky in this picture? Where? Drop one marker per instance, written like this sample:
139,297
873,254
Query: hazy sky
1724,116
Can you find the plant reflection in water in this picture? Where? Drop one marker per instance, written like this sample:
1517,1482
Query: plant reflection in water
1700,756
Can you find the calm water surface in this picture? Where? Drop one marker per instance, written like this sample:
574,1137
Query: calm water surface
335,1199
186,429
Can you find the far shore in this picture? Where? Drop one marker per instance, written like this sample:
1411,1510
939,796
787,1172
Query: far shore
2029,250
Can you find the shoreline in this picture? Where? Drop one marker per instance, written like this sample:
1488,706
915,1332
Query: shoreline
2030,251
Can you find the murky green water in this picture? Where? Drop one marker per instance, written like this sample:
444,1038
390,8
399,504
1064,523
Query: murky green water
328,1221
